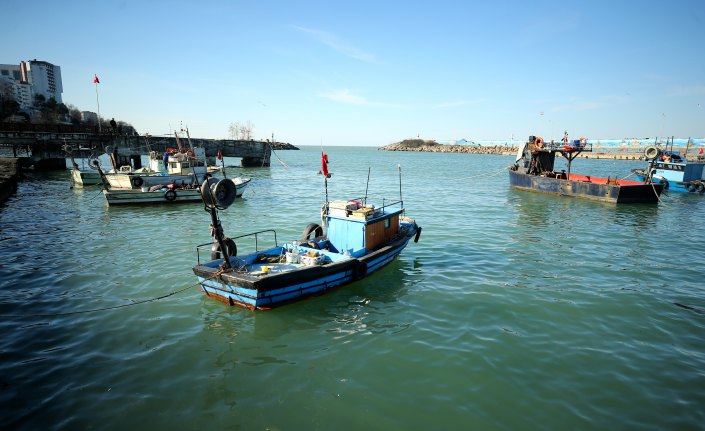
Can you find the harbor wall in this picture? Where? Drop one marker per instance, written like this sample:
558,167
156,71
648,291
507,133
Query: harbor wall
9,175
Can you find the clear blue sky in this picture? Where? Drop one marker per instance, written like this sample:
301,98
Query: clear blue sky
376,72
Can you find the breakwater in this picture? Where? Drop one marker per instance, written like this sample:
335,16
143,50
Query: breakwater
507,150
434,147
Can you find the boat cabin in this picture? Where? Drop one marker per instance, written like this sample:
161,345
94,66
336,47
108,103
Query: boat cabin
357,229
537,157
179,163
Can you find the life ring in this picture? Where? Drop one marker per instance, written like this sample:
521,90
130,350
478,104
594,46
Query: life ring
690,187
170,195
700,187
539,142
136,181
583,141
230,247
311,228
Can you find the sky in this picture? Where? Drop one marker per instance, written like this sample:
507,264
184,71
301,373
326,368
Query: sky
373,73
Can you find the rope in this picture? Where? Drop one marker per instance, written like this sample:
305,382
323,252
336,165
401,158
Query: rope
271,147
114,307
657,196
491,174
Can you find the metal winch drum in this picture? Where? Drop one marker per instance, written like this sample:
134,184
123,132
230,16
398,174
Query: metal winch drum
651,152
218,193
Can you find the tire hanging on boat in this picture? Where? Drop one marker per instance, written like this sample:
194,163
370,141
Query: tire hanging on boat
311,228
230,246
360,270
690,187
170,195
136,181
700,187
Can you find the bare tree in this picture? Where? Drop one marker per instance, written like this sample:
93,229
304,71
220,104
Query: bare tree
241,131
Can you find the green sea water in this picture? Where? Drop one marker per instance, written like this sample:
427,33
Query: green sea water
514,311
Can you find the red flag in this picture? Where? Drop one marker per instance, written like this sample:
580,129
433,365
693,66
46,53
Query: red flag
324,163
96,80
220,155
701,151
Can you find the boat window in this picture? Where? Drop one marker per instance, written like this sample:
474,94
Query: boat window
387,223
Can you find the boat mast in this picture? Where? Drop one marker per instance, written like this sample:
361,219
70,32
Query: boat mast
367,186
401,199
687,146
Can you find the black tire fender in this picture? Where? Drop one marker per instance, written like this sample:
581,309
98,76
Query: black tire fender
418,234
311,228
360,270
230,246
170,195
136,181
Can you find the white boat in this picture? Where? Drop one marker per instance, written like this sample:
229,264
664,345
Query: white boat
164,193
84,178
185,166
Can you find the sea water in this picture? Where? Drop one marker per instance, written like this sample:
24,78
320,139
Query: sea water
514,311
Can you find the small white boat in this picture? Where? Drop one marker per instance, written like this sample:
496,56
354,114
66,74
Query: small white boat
164,194
85,178
182,166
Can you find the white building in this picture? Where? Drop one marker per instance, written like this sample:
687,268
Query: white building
44,77
89,117
24,81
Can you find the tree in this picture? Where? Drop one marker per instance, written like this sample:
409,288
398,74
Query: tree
241,131
8,107
75,115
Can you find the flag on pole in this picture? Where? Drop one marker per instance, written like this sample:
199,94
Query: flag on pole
96,80
324,164
220,155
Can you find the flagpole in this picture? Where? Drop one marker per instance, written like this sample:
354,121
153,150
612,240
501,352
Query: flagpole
97,101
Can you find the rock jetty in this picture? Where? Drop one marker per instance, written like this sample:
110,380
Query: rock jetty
435,147
283,146
505,150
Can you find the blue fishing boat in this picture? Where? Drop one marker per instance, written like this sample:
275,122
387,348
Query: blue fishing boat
353,240
676,172
534,170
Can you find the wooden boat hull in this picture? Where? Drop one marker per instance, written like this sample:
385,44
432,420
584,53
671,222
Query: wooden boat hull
264,292
586,189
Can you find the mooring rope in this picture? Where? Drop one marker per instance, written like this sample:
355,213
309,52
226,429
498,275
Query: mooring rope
114,307
491,174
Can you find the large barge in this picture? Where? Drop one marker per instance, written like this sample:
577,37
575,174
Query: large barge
534,170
